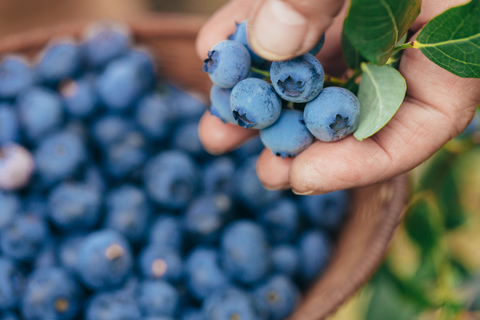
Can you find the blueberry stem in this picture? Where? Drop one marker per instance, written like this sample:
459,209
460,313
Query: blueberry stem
407,45
262,72
332,81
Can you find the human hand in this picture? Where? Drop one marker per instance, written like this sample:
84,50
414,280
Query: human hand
437,107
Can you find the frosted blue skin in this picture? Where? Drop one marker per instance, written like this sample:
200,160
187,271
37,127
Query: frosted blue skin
298,80
326,210
333,115
318,46
220,99
315,249
277,297
59,61
228,63
15,76
9,126
240,35
255,104
12,284
288,136
157,298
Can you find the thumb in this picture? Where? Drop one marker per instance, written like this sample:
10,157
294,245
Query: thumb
284,29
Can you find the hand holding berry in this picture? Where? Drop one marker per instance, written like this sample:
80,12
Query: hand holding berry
437,107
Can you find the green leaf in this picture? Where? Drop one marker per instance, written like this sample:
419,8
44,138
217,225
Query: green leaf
452,40
374,26
422,224
352,57
381,93
387,301
449,202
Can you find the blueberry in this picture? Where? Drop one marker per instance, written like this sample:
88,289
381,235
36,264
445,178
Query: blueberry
105,260
15,76
255,104
245,251
93,178
318,46
229,303
206,216
250,191
24,237
16,166
326,210
332,115
281,219
128,212
171,179
288,136
203,274
219,177
298,80
59,60
157,262
126,157
110,129
47,257
186,138
277,297
60,156
220,108
154,115
285,259
228,63
145,60
315,249
192,314
40,112
116,305
74,206
9,207
9,316
79,97
51,294
104,42
167,231
250,148
9,124
120,85
240,35
187,105
12,284
34,203
68,251
157,298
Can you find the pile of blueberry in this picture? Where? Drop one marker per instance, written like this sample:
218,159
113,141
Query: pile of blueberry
110,209
289,105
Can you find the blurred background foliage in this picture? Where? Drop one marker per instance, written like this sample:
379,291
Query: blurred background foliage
432,270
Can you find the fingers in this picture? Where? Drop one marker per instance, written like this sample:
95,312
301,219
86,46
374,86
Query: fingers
218,137
273,171
221,25
438,106
283,29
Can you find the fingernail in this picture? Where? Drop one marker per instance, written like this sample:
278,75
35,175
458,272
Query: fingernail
307,193
276,188
279,30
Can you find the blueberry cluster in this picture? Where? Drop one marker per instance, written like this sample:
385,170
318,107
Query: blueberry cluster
289,105
110,209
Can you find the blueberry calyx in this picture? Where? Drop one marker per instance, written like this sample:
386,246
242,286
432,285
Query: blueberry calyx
291,87
340,124
284,154
242,119
209,63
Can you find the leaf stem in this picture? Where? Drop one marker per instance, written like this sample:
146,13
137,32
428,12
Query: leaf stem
259,71
411,44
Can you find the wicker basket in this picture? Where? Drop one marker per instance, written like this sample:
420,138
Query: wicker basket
376,210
